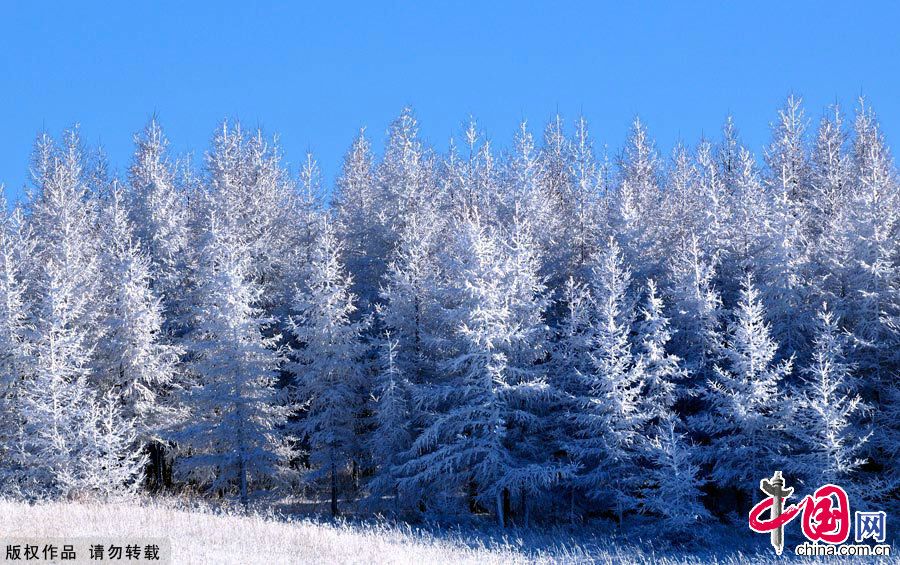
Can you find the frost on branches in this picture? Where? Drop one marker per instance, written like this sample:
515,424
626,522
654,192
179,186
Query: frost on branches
542,334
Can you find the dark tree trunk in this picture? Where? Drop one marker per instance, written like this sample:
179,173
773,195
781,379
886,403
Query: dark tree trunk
334,505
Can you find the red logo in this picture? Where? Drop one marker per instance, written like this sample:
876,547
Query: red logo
826,513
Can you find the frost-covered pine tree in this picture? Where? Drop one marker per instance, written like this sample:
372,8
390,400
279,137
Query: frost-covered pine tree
874,303
525,194
606,417
715,197
474,178
662,370
229,441
749,239
405,176
64,287
696,306
830,239
361,221
312,198
556,190
872,311
748,411
782,280
728,154
673,485
159,213
328,374
637,206
582,213
16,356
410,295
683,207
495,394
392,436
248,183
826,425
113,449
139,362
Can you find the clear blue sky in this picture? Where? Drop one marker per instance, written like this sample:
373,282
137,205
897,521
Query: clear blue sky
315,74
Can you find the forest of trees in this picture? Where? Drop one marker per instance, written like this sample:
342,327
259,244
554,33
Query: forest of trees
544,334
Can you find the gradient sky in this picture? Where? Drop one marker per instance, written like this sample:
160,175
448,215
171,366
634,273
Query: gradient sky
315,74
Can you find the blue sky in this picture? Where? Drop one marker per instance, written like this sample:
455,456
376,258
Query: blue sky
315,74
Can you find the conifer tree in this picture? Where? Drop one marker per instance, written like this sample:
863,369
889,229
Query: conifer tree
229,441
139,362
747,414
361,221
327,369
479,433
158,211
826,424
662,370
392,436
607,418
16,359
673,489
66,319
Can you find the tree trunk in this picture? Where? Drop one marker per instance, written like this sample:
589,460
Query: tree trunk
524,503
160,456
243,471
500,509
507,506
334,506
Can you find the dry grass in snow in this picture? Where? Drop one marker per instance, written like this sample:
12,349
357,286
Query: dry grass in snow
204,536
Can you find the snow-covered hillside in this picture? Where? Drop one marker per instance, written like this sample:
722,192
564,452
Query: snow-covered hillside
199,536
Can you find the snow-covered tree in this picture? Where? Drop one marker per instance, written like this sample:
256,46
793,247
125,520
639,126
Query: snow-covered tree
474,178
829,231
66,327
248,182
872,307
582,213
749,240
158,211
137,358
229,441
874,303
410,295
662,370
782,282
392,436
328,374
606,417
828,410
696,306
485,431
556,191
728,155
406,175
637,209
139,361
673,489
748,411
525,194
715,197
361,220
16,355
117,461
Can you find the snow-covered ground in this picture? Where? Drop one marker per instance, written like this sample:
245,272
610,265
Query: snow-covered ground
199,536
